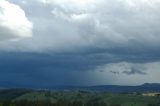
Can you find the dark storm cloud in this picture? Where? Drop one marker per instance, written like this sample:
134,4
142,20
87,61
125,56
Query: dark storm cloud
42,70
32,69
103,32
63,62
71,36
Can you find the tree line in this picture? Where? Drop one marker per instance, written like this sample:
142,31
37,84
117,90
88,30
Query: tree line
60,102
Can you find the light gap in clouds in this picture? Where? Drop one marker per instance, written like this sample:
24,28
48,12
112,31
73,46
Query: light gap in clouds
123,73
13,22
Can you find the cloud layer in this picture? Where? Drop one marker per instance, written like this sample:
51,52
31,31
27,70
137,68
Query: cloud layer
13,22
70,25
103,41
41,70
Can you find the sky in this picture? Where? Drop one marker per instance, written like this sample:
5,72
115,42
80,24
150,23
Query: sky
44,43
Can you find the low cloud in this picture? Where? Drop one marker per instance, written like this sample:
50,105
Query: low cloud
114,72
13,22
134,71
127,68
28,68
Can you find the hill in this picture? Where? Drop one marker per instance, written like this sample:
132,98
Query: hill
154,87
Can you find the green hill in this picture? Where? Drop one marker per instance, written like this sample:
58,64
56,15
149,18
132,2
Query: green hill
22,97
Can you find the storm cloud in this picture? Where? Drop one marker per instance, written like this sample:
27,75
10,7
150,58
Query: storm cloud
71,39
70,25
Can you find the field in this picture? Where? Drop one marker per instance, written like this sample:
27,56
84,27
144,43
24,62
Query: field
19,97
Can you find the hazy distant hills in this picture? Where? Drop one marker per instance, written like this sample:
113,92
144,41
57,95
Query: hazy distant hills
117,88
155,87
114,88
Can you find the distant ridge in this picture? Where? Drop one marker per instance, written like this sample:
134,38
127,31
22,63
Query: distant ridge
146,87
151,84
152,87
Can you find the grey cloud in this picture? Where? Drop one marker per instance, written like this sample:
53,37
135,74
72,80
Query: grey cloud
124,68
135,71
105,24
115,72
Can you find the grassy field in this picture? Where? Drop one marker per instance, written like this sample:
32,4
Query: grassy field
88,96
77,98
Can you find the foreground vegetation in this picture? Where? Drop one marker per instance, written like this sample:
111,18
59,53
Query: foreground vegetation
75,98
